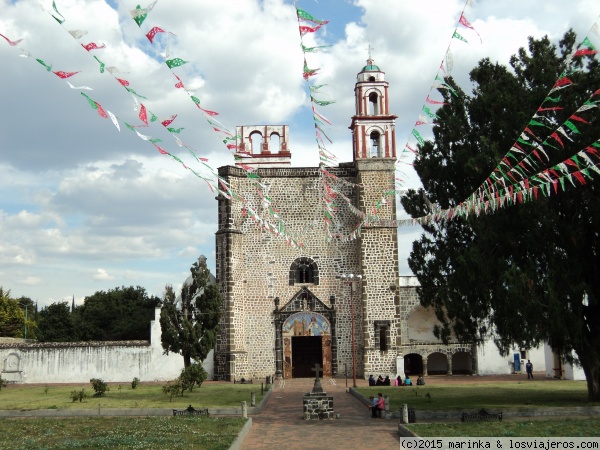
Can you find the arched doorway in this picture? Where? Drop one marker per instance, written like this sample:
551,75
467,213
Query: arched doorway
306,341
413,364
437,364
462,363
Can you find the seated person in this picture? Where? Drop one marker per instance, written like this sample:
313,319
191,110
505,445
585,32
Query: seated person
378,405
371,380
387,381
399,381
379,381
407,381
420,381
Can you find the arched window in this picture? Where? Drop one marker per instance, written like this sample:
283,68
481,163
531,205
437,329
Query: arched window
256,139
304,271
274,145
373,104
375,144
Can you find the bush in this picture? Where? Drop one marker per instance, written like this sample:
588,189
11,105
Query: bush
100,387
78,395
2,383
191,376
135,383
173,388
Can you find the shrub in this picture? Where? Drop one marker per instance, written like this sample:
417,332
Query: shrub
191,376
100,387
135,383
2,383
173,388
78,395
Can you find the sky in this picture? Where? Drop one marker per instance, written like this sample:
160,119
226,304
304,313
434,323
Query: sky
86,207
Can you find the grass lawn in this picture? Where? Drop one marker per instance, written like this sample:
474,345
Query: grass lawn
26,397
572,427
119,433
555,393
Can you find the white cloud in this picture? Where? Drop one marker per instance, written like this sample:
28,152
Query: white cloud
102,274
77,194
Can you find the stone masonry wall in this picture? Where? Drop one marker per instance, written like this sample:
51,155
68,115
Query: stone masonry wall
379,257
255,268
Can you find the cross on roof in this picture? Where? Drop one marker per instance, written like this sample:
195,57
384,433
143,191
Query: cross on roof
369,48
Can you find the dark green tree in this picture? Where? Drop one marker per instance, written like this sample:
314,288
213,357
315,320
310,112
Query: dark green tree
119,314
56,324
189,326
527,273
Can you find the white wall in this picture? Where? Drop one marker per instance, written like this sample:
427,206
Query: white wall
78,362
492,363
570,372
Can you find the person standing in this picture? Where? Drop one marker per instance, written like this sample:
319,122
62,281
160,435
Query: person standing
529,369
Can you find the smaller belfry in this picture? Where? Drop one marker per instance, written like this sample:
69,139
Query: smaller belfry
263,146
373,127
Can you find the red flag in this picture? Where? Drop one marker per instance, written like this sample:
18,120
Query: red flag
167,122
579,177
161,150
101,111
463,21
579,119
143,114
154,31
210,113
92,46
584,51
63,75
557,139
11,43
123,82
562,82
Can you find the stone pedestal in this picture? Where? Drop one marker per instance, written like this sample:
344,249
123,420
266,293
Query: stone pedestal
317,406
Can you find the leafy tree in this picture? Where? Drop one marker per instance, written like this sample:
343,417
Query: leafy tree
119,314
527,273
56,324
12,317
190,327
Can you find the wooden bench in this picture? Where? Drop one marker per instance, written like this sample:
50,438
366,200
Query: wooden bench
481,416
190,411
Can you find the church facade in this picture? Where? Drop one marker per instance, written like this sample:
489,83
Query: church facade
336,298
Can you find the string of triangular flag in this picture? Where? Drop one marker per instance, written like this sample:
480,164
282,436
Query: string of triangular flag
529,150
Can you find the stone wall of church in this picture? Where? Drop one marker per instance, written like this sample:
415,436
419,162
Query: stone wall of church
379,258
254,266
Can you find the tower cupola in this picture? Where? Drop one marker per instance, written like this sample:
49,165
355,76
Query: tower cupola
373,127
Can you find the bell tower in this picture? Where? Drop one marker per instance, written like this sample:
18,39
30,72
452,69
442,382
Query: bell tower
374,145
373,127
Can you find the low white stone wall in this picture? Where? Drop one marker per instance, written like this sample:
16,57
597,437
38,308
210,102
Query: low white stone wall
78,362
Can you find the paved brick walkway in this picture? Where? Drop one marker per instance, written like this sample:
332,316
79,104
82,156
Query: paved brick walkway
281,423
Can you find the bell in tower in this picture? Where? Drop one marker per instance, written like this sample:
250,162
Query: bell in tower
373,127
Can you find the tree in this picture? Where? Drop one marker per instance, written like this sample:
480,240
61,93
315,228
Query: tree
11,316
528,273
56,324
120,314
17,317
189,327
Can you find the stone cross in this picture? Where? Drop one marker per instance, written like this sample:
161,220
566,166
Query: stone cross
317,386
317,369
